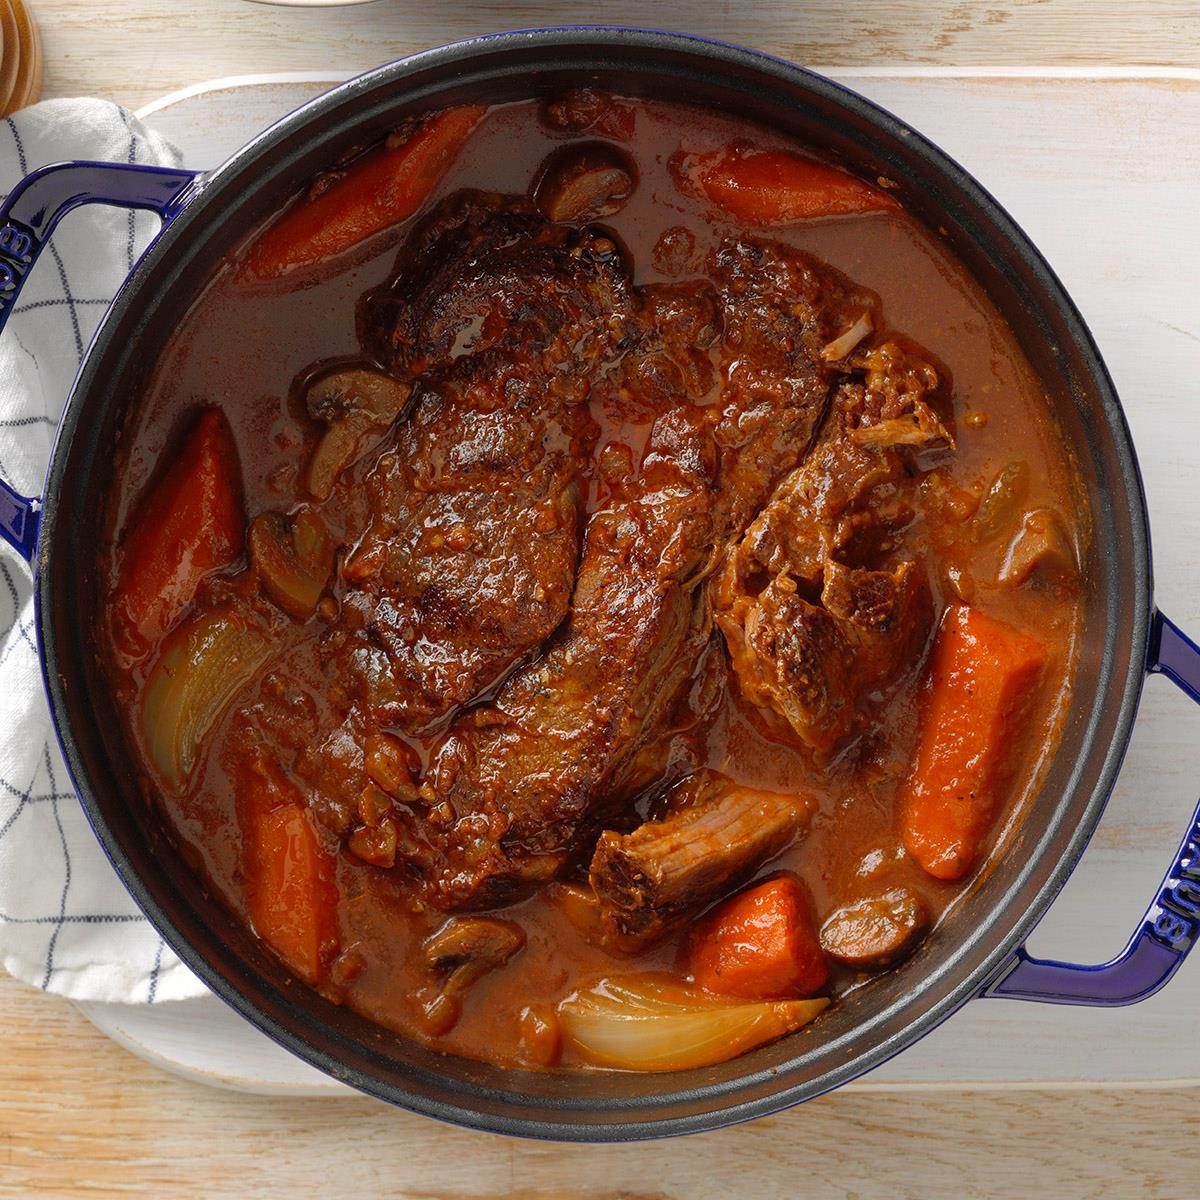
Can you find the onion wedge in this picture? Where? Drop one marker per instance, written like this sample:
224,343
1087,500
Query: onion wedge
646,1023
203,664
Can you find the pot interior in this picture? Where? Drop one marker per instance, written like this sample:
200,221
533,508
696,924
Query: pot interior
873,1022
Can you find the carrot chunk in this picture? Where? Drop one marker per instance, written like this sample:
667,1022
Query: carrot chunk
761,944
292,899
188,525
983,676
772,187
383,187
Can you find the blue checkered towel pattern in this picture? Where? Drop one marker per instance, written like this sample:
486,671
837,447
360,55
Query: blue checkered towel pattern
66,923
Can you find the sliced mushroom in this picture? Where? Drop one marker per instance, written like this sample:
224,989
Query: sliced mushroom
460,953
584,182
467,948
876,931
294,559
352,403
1041,551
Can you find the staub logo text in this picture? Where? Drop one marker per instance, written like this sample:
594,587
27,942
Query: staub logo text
16,253
1178,914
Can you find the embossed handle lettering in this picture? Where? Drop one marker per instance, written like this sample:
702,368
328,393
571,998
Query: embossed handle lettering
1171,925
16,257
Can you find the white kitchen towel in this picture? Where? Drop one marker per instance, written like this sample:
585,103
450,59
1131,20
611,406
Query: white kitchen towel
66,923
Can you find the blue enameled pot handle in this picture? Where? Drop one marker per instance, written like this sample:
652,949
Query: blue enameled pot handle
28,217
1172,922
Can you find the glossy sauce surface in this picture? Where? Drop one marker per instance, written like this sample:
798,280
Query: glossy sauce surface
242,349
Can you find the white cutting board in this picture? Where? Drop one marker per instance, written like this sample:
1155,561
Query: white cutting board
1103,172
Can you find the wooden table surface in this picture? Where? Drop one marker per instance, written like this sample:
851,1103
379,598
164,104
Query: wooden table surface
81,1117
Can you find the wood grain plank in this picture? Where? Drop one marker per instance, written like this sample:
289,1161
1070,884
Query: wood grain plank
78,1117
92,46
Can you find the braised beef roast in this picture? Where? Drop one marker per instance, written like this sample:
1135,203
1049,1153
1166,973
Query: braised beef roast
565,614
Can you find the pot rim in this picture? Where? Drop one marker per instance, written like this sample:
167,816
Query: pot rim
767,69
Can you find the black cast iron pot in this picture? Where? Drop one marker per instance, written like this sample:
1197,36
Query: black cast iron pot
978,948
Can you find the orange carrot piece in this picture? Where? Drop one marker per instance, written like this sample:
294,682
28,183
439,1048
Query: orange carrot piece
761,944
383,187
189,524
292,899
772,187
983,676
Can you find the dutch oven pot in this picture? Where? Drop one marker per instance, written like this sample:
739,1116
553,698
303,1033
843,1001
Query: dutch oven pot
978,949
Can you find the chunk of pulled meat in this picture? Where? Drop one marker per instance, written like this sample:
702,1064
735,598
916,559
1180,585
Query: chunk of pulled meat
470,574
715,836
791,660
1041,553
781,309
816,607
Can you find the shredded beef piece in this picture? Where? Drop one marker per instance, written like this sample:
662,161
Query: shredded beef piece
781,308
815,608
715,837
